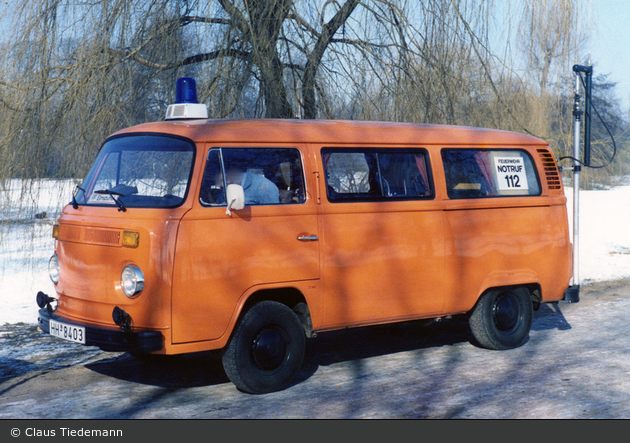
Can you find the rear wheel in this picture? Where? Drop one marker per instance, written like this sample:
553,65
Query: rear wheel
266,349
502,318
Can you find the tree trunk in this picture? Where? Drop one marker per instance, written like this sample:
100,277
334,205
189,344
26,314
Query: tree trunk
315,57
261,27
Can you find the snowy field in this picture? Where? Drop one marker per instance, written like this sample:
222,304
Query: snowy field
26,242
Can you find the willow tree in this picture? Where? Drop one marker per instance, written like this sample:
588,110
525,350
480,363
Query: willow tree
550,36
77,71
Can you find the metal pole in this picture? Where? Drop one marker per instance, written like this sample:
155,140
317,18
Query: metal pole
576,184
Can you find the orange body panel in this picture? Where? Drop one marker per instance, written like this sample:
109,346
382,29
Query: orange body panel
382,262
219,259
371,262
89,287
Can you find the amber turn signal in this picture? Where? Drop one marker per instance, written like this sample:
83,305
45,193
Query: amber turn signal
130,239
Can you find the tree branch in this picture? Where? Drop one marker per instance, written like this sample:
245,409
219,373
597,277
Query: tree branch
315,57
197,58
187,19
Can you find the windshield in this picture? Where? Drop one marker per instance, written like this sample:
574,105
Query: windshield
139,171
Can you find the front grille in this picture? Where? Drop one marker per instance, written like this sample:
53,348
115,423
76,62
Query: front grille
89,235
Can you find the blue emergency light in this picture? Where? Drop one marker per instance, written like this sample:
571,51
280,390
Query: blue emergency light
186,104
186,90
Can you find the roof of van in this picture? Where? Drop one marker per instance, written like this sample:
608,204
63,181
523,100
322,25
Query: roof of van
330,131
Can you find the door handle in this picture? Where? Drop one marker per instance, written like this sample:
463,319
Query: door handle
308,238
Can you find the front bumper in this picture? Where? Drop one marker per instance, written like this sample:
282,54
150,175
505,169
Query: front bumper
108,338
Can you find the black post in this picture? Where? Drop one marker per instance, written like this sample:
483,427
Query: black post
588,85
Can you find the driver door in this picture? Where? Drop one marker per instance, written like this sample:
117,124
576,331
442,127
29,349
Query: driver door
271,242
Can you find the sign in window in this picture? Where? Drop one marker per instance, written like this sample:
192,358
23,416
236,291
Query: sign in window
477,173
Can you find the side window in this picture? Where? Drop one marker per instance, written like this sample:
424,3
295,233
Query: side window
476,173
348,173
372,174
269,176
212,185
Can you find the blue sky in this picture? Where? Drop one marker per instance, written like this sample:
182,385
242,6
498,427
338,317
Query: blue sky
609,43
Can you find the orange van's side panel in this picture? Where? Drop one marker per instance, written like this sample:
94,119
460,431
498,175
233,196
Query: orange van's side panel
516,244
382,261
221,259
494,242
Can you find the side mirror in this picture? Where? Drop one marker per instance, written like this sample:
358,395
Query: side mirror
235,198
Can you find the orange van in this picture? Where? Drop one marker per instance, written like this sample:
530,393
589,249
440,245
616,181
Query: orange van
250,236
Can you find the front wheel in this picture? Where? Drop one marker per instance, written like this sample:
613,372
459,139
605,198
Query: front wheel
266,349
502,318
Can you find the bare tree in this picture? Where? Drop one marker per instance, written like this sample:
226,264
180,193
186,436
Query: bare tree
80,70
550,32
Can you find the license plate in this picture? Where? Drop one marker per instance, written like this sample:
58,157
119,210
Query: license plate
67,332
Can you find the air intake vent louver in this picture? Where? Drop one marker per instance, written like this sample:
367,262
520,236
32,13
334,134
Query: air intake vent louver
552,175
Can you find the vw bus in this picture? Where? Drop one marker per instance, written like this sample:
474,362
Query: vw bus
251,236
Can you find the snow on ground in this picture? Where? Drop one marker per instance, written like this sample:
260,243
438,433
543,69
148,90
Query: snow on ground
26,242
604,233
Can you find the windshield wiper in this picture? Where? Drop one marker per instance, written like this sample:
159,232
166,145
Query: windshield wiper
75,204
115,196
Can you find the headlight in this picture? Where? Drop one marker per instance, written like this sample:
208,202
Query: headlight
131,280
53,268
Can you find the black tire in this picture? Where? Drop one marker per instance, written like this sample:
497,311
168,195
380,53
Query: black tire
502,318
266,349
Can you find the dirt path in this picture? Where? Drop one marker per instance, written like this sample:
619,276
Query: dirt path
575,365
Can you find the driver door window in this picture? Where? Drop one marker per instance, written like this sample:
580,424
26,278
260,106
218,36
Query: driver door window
269,176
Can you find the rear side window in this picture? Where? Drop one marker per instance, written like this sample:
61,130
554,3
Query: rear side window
476,173
374,175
